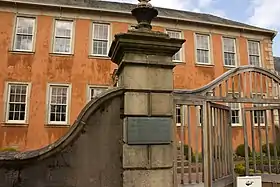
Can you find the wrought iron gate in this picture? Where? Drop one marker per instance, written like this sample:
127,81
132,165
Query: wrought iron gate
260,127
208,157
205,119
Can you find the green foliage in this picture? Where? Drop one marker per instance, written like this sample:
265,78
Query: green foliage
271,149
186,152
240,150
8,149
240,169
265,161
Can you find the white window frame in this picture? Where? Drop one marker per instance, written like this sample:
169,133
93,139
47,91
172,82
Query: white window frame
209,49
180,52
235,51
67,117
239,108
33,34
108,39
259,50
71,36
90,87
7,98
180,107
259,105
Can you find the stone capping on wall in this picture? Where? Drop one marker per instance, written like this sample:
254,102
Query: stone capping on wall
73,134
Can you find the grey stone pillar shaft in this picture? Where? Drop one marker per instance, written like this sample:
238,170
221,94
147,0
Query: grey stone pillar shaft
145,70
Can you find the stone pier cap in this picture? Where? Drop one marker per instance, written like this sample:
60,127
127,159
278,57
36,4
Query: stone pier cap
156,48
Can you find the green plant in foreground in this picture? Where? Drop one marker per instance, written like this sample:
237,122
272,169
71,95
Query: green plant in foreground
240,169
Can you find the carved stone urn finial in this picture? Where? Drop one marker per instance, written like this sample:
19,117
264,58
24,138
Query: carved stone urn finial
144,14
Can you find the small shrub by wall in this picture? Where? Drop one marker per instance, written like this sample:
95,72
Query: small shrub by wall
240,150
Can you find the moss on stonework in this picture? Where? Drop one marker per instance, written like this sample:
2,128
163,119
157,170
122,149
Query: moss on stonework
8,149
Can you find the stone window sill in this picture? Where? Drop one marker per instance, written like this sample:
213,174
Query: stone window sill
62,54
204,65
22,52
5,124
229,67
57,126
99,57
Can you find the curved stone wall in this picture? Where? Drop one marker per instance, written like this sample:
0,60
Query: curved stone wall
90,154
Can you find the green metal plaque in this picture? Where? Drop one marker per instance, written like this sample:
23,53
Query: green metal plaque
149,130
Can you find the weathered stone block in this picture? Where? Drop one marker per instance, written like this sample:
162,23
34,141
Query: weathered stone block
143,77
148,178
136,103
161,156
162,104
147,58
160,79
135,156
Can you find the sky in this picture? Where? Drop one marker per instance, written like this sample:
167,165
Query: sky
261,13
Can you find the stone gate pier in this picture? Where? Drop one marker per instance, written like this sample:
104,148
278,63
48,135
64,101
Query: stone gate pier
145,71
124,138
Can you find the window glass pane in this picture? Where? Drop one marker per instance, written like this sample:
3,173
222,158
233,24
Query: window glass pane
94,92
63,36
235,116
229,45
177,56
100,39
23,42
25,25
254,60
253,48
58,104
229,59
202,41
63,28
24,34
100,47
261,113
235,109
100,31
203,56
62,45
17,102
178,114
175,34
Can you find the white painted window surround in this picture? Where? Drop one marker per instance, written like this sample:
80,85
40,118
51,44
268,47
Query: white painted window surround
100,39
24,34
254,53
229,45
203,49
178,57
58,104
17,97
94,91
63,36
